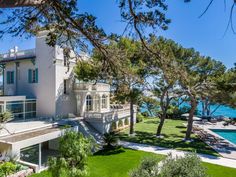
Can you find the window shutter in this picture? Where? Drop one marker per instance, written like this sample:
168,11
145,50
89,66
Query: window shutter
12,78
8,77
36,75
29,75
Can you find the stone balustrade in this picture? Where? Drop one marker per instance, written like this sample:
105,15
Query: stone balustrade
113,115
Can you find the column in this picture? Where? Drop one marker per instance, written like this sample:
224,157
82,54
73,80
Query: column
5,106
100,103
40,156
93,102
24,109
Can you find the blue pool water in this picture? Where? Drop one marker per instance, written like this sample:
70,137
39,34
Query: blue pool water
230,135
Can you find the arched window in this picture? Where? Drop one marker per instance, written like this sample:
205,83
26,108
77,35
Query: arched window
104,101
89,103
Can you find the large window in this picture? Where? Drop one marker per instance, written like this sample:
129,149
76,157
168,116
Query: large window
16,108
104,101
10,77
33,75
30,154
89,103
30,109
22,109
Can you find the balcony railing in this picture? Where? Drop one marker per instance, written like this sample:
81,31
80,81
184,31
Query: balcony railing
18,55
92,87
114,114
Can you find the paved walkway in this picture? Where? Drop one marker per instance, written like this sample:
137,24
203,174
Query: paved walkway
165,151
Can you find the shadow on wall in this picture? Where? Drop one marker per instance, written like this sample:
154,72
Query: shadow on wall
66,102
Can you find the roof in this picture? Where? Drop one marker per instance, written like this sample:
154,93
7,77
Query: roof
29,135
19,55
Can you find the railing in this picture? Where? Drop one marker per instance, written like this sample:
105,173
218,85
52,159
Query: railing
92,87
114,114
19,54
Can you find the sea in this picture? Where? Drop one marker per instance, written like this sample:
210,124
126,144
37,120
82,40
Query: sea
221,111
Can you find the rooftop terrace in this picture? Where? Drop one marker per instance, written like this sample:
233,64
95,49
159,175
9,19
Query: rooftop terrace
14,54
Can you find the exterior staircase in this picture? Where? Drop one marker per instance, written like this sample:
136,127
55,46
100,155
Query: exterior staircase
89,131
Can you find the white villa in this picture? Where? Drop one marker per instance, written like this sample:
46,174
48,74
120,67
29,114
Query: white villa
39,88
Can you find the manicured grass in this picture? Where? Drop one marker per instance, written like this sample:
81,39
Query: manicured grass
219,171
112,163
119,163
173,132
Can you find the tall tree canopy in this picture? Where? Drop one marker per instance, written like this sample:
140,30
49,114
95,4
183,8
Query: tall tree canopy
67,25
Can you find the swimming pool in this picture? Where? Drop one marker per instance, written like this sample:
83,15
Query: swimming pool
229,135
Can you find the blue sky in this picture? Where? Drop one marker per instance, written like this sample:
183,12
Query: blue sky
204,34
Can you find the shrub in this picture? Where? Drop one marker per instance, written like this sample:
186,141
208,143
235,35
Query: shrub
7,168
74,149
147,168
188,166
145,114
113,126
5,116
120,123
175,112
110,140
140,118
126,121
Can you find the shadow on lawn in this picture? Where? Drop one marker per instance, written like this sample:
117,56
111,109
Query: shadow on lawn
112,151
169,141
152,122
180,127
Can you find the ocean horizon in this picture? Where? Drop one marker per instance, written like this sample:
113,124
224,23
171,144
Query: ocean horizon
221,111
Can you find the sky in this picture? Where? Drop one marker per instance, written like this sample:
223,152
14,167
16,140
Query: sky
205,34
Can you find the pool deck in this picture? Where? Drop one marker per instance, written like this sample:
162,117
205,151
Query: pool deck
226,151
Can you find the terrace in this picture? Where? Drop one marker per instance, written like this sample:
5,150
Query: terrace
14,54
116,112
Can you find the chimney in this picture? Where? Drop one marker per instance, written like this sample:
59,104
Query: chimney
16,49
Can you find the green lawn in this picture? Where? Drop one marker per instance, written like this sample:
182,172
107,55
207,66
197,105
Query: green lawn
112,164
173,132
118,164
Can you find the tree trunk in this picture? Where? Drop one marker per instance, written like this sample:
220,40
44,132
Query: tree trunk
19,3
164,107
190,119
131,130
203,108
162,120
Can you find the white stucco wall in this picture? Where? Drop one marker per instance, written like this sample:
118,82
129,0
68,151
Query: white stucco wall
46,81
23,85
65,103
10,89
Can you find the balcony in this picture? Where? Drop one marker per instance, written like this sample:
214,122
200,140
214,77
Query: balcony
120,112
91,87
12,55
